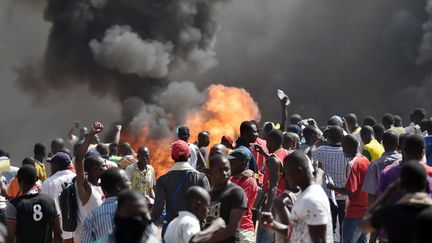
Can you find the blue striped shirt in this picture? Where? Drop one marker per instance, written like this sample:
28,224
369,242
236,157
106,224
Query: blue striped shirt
334,165
100,222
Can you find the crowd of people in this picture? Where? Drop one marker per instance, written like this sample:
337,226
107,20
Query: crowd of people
288,182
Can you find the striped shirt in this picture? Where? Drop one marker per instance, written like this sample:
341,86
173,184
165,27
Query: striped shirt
100,222
334,163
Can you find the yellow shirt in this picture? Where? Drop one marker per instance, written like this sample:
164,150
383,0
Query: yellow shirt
40,170
373,150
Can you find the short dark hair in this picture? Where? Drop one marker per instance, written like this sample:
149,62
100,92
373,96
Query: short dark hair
298,158
28,161
126,147
398,121
351,118
378,129
335,134
245,126
350,141
39,149
420,112
27,174
91,162
110,178
195,193
426,125
414,145
216,158
308,131
369,121
102,149
390,140
276,135
388,119
4,153
367,130
128,195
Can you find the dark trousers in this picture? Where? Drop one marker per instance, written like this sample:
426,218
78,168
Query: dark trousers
338,211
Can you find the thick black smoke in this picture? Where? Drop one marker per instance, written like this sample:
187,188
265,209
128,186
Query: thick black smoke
129,50
329,56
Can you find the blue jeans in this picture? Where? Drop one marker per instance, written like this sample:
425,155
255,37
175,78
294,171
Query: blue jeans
264,235
351,231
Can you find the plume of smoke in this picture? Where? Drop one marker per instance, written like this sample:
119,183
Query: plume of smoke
168,108
128,48
179,98
122,47
127,52
425,49
403,32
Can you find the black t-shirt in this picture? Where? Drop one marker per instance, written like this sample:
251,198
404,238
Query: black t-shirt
34,215
398,220
223,201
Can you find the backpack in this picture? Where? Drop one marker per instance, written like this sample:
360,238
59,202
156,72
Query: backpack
69,207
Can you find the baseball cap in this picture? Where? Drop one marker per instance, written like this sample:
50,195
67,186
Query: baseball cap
61,158
180,149
227,138
183,132
238,154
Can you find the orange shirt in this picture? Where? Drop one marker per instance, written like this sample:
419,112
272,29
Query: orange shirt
13,190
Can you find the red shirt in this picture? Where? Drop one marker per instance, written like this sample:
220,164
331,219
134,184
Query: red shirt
260,159
280,154
358,202
250,187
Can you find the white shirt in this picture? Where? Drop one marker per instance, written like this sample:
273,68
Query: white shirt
54,185
312,207
193,155
182,228
94,201
413,129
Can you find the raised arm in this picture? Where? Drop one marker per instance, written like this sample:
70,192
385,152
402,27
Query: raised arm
72,130
84,189
117,134
284,114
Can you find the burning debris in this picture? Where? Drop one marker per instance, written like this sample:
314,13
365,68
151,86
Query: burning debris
221,113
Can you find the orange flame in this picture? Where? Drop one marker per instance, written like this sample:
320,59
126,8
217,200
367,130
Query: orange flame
221,114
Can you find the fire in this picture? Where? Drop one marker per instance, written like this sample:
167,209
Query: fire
160,150
221,114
